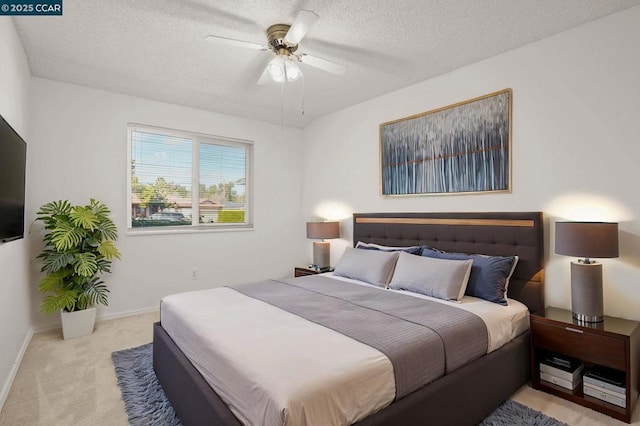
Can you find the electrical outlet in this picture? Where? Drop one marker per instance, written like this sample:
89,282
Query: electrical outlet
194,274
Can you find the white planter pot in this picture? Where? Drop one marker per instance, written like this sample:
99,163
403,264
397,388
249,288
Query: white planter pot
78,323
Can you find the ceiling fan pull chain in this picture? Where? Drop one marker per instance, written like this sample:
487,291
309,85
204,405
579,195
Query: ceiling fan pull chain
302,94
282,105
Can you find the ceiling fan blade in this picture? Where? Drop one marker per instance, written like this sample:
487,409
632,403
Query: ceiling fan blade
234,42
301,25
323,64
265,78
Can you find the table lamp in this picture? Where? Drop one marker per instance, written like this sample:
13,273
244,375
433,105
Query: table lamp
587,240
321,252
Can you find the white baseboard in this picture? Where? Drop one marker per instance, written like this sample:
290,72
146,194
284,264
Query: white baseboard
100,318
14,369
46,327
128,313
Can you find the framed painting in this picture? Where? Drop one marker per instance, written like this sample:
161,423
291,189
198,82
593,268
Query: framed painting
458,149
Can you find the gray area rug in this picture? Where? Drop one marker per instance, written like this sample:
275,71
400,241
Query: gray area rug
147,404
514,413
144,399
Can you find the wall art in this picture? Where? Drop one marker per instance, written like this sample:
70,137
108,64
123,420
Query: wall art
458,149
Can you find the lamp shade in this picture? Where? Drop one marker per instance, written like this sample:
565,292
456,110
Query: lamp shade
323,230
587,239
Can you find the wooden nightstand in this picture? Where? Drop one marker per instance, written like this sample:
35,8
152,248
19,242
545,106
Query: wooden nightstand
613,343
300,271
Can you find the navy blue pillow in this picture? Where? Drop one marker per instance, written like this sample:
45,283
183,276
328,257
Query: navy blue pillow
489,274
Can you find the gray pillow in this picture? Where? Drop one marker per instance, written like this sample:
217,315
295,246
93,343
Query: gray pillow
441,278
371,266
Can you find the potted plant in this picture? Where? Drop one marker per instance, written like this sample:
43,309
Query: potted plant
79,248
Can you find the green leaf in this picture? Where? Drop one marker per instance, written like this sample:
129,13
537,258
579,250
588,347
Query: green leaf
108,229
92,242
84,217
64,299
51,283
83,301
54,261
104,265
49,211
99,209
66,236
54,208
97,292
108,249
85,264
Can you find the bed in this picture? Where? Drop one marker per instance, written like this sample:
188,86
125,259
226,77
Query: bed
478,387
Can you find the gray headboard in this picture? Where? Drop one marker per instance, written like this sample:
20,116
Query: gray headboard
492,233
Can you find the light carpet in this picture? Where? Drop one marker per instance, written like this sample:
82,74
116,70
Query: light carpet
146,403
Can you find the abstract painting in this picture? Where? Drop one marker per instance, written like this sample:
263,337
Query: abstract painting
458,149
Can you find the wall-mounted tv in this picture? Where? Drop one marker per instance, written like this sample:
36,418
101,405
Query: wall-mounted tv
13,158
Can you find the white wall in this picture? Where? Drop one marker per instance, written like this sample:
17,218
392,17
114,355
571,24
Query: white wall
79,150
576,149
15,325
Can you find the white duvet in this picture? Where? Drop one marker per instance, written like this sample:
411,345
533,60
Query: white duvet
274,368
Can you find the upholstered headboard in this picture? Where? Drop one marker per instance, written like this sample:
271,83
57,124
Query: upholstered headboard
491,233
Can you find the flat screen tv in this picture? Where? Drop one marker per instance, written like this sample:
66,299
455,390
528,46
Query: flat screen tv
13,158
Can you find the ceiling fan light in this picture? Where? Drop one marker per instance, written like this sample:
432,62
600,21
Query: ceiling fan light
276,69
292,70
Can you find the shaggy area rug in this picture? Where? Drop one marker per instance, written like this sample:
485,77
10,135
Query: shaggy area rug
514,413
144,399
147,404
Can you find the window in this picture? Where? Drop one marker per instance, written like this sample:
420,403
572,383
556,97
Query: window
183,181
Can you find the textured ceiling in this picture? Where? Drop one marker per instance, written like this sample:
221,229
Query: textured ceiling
156,48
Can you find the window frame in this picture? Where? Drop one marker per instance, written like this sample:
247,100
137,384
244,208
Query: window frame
197,139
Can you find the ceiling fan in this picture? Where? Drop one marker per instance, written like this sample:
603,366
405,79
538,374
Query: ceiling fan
282,40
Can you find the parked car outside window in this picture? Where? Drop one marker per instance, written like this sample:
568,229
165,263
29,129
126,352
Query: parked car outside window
170,216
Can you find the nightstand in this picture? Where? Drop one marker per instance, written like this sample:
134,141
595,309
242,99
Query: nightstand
613,343
300,271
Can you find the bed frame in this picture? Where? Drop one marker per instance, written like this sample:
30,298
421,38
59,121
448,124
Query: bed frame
465,396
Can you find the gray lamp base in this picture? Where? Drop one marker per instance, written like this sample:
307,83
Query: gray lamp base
321,254
586,292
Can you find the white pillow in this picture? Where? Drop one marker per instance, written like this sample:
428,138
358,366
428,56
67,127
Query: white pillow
371,266
441,278
410,249
360,244
513,268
